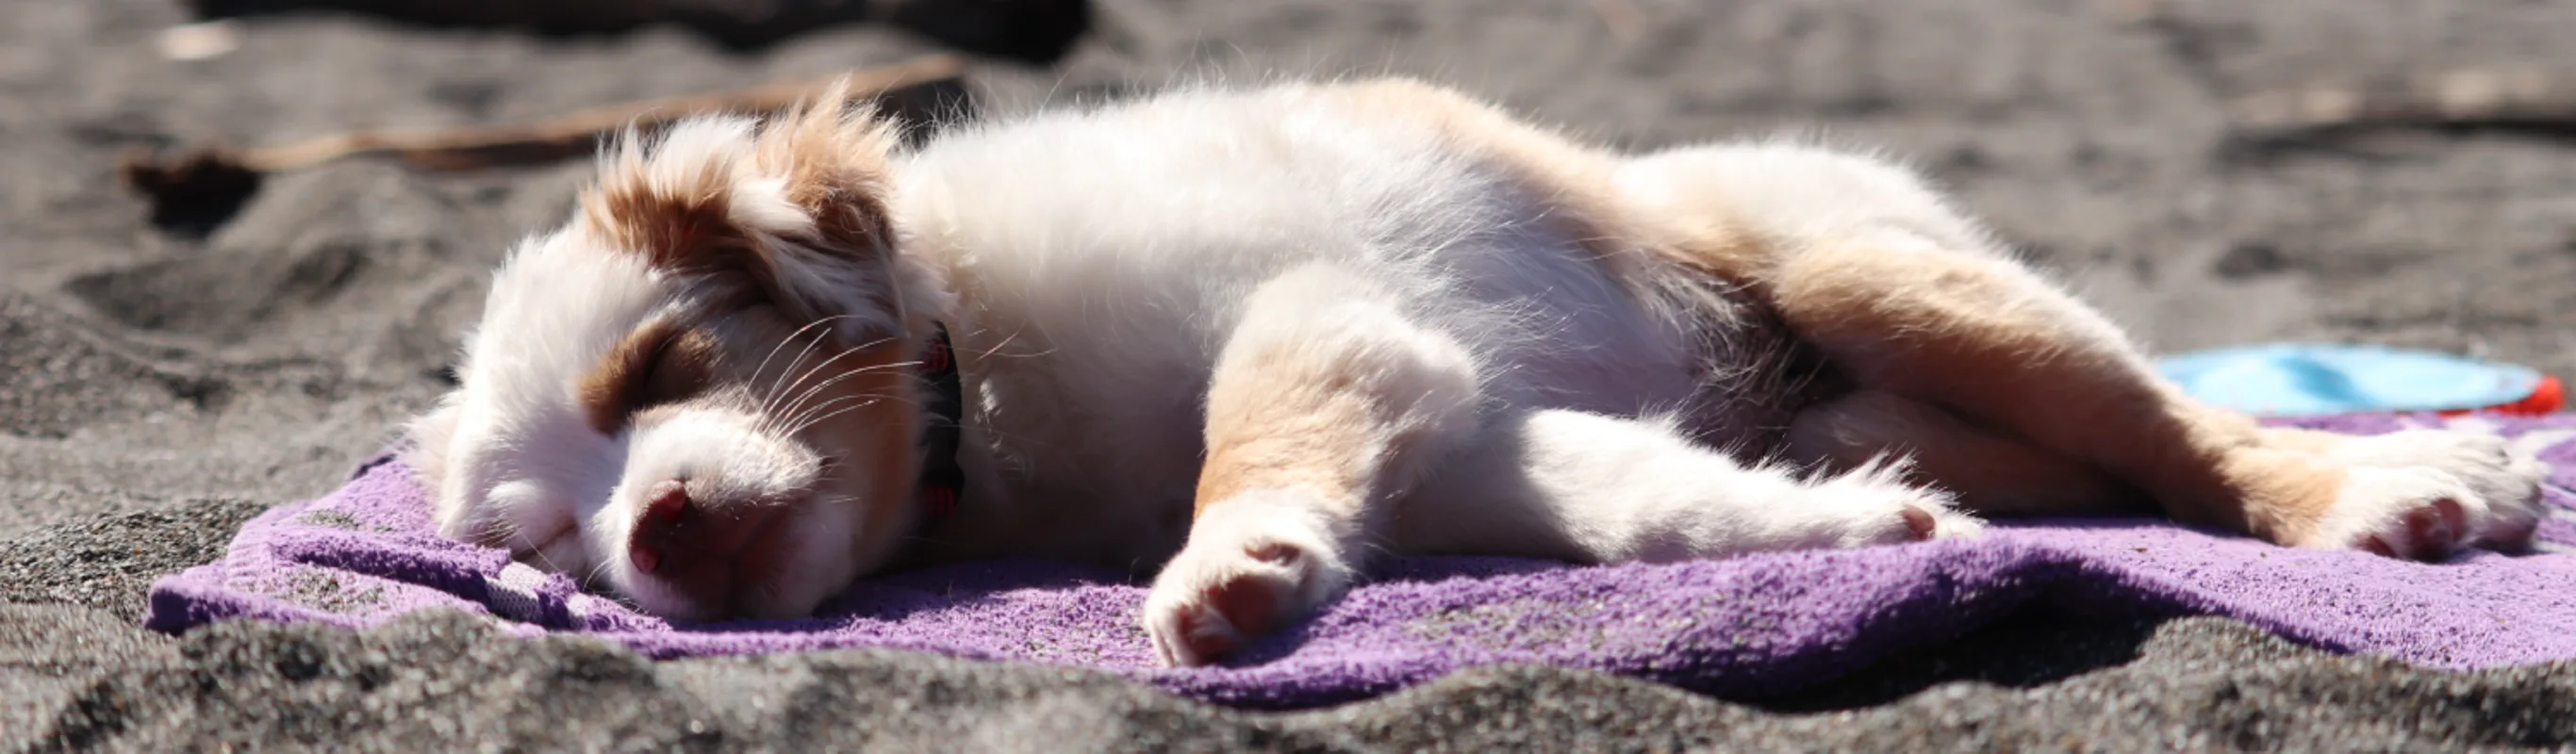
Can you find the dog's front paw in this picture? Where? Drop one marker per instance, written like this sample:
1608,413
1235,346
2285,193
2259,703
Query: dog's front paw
1875,504
1252,565
2422,494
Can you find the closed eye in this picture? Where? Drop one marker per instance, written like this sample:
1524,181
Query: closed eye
657,364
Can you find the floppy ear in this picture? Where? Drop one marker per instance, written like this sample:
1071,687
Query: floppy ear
832,162
794,213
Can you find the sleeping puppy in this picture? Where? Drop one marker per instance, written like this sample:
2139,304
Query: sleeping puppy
1247,340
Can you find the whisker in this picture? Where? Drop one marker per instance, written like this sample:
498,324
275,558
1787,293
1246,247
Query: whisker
1014,337
799,419
808,393
591,579
777,384
776,389
865,400
803,407
836,379
539,549
791,338
834,413
809,373
773,404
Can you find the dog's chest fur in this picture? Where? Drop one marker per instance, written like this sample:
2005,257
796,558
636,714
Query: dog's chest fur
1098,261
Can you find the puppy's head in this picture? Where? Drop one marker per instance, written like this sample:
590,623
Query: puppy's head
698,393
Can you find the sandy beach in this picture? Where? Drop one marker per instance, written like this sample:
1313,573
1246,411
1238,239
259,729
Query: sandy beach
168,372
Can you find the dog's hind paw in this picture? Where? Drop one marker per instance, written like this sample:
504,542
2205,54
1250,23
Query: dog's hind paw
2422,494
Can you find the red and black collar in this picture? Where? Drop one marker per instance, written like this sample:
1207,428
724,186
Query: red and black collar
942,480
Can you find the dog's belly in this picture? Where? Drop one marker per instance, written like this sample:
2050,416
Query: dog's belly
1091,430
1097,287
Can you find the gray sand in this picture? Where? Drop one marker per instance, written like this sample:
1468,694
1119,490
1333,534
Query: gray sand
164,378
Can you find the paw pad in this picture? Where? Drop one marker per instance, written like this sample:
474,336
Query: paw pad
2428,533
1920,522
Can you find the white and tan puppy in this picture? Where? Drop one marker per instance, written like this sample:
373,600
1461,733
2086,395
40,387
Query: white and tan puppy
1247,340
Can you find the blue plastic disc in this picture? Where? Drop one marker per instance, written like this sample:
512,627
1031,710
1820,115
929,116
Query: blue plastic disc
2300,379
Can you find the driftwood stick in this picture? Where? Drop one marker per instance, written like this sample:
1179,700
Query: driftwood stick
2468,98
217,169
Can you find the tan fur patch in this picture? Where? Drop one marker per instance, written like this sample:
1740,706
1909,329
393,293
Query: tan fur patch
1957,337
674,225
683,218
1990,471
1303,439
874,439
834,164
1956,331
659,363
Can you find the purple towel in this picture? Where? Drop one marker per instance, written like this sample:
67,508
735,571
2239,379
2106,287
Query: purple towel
1747,626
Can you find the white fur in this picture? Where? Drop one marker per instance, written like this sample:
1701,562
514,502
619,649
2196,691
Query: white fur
2400,473
1635,490
1281,539
725,456
1088,264
1793,194
520,430
1084,273
1112,280
518,466
1130,260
